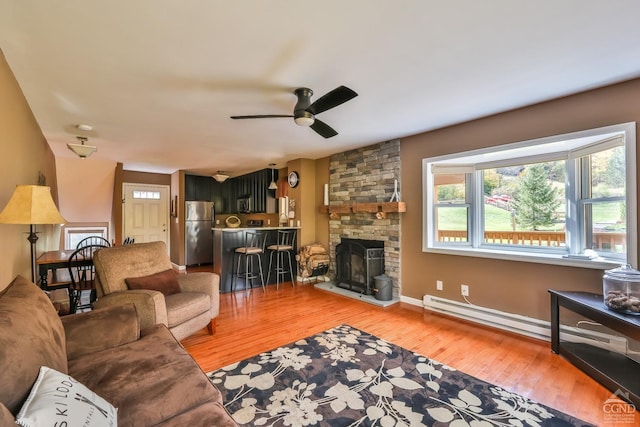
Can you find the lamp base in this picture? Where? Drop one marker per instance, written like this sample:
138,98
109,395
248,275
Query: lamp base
33,238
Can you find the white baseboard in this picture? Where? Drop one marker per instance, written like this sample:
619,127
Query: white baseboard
412,301
523,325
179,268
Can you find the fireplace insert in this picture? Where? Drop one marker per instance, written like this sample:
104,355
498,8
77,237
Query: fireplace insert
358,261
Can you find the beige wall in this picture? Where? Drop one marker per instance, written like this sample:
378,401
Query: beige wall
25,157
517,287
305,199
85,190
176,228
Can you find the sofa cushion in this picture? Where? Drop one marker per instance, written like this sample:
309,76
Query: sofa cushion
151,380
31,336
57,399
207,414
185,306
100,329
164,281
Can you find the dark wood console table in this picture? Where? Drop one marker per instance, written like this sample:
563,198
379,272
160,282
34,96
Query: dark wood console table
613,370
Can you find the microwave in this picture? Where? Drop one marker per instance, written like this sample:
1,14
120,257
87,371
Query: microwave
243,204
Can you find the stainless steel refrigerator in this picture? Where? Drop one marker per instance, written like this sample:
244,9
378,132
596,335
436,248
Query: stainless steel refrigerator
199,218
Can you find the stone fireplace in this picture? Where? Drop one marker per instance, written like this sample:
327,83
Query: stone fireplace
366,175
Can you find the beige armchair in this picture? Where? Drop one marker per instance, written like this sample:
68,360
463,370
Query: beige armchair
195,305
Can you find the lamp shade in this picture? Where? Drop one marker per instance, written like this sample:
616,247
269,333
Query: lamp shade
31,204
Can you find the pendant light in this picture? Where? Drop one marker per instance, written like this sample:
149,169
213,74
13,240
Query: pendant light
83,151
220,177
272,185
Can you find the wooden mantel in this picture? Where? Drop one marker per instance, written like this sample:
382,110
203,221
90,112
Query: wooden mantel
379,208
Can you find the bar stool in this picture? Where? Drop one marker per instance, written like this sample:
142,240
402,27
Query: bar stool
251,251
284,245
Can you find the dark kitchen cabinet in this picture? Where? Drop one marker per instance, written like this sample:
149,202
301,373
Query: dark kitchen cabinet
197,187
189,187
224,194
256,185
203,188
221,196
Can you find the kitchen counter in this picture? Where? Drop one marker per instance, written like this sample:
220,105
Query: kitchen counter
225,242
254,228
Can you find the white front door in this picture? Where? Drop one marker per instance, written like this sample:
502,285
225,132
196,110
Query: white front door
146,213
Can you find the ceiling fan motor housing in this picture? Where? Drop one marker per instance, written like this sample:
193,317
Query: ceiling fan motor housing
300,114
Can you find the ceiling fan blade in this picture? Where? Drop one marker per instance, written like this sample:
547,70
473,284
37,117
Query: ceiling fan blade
262,116
323,129
332,99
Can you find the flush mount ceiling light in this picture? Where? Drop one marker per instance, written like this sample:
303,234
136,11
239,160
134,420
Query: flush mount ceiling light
220,177
273,185
83,151
305,119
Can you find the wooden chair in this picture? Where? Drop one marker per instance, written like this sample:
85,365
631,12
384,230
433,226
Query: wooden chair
93,241
82,275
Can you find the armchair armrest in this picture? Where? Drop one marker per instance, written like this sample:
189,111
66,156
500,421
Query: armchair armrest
207,283
100,329
150,305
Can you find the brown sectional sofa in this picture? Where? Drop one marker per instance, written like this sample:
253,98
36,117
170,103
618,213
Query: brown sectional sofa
146,373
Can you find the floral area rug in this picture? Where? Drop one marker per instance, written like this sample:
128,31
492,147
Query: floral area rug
346,377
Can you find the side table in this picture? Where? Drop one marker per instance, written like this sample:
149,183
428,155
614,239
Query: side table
613,370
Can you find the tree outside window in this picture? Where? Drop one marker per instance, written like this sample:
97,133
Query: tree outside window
536,200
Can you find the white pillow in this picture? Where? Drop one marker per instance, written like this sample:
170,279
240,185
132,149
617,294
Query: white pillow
58,399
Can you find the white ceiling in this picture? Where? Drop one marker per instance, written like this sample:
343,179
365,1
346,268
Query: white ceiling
158,79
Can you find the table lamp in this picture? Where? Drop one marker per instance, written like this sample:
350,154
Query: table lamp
31,204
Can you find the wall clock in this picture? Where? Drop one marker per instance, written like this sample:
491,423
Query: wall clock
293,179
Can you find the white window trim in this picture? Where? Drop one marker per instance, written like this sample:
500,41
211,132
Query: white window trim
69,230
471,160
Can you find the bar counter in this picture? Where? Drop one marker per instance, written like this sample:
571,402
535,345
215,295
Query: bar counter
225,242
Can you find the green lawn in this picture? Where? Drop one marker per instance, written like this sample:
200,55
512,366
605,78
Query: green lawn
496,219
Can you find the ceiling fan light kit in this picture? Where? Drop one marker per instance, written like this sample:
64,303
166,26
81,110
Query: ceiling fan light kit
304,120
83,151
304,112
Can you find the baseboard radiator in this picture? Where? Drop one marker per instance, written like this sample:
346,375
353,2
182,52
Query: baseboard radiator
523,325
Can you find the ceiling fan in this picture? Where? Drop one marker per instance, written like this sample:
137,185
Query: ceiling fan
304,112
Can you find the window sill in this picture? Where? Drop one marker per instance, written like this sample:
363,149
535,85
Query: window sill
553,259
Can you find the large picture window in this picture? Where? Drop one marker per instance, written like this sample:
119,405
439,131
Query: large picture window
564,199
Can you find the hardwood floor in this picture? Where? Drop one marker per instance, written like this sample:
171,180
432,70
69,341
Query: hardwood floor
252,323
